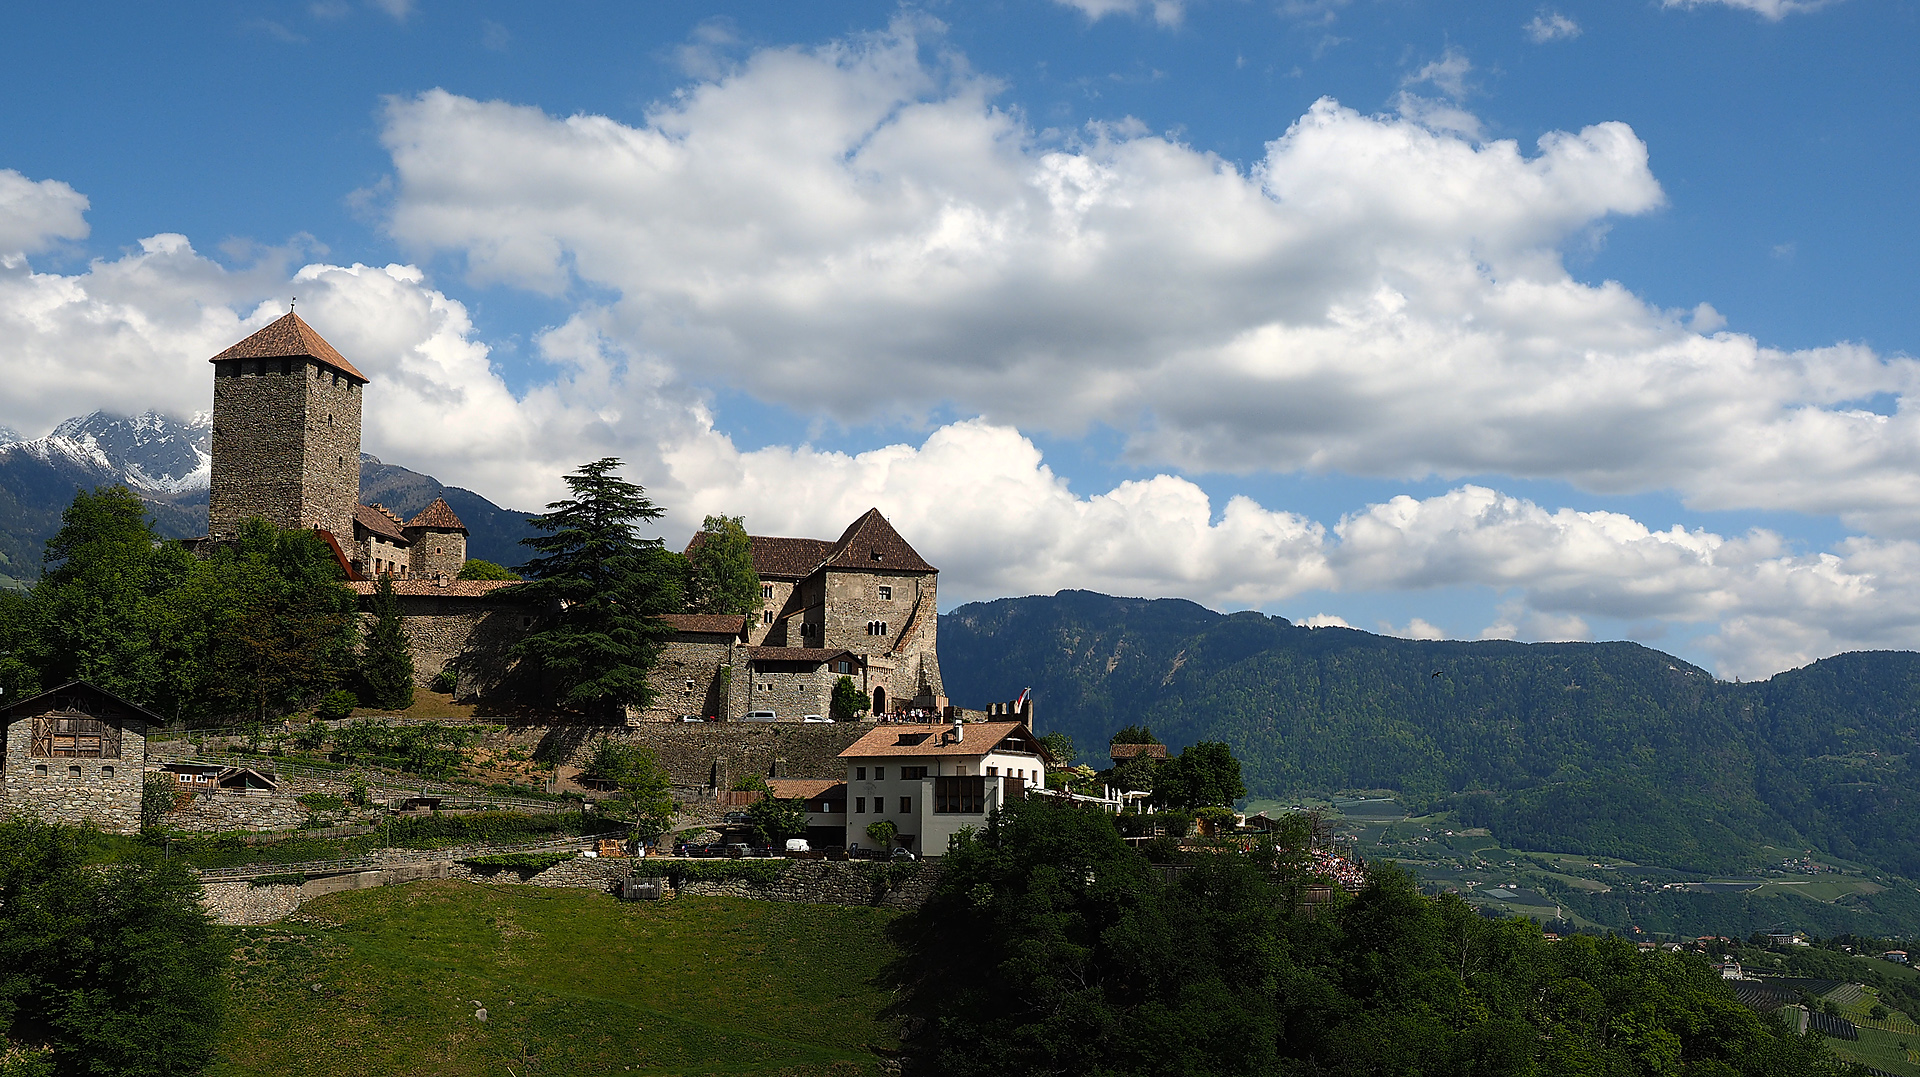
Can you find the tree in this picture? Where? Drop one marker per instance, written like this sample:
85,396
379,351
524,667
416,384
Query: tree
476,569
849,702
1203,775
115,965
386,664
774,820
606,589
881,832
283,624
1134,734
643,789
722,577
1060,747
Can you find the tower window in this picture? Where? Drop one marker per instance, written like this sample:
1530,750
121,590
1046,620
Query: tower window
886,593
766,590
766,617
877,555
876,628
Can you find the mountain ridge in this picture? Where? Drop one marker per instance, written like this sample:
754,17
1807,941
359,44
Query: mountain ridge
169,464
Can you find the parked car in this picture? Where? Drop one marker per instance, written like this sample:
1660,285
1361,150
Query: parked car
816,718
738,850
691,718
903,854
736,817
760,716
798,845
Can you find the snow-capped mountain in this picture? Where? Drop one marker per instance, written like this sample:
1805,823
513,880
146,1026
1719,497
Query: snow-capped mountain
7,436
152,454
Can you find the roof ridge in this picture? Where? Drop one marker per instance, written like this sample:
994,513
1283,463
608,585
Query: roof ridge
288,336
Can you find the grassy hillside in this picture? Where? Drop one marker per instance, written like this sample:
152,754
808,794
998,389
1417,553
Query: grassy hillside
1604,748
384,981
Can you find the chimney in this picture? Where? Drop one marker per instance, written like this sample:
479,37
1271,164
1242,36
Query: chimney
959,731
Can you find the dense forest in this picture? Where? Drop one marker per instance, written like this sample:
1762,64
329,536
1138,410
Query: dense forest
1050,946
1609,748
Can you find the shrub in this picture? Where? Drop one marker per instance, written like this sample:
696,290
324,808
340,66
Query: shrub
447,681
336,705
520,861
285,878
882,833
311,738
156,800
315,803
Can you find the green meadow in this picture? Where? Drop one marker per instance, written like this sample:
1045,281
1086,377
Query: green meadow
389,981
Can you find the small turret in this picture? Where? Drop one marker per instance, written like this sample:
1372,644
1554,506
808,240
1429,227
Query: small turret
439,541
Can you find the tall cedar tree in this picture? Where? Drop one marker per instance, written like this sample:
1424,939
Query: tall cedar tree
723,579
386,664
604,589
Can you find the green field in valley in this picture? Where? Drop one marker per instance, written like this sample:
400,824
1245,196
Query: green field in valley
386,981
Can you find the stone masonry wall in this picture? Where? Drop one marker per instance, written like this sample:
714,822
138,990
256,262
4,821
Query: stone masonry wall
477,631
683,679
437,553
104,792
704,753
286,446
853,600
218,811
789,692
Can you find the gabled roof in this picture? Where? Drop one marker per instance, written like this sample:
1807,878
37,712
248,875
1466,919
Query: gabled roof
776,558
379,521
779,558
713,624
871,542
438,516
69,694
977,738
289,337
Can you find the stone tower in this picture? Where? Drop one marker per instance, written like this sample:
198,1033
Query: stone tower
286,433
439,541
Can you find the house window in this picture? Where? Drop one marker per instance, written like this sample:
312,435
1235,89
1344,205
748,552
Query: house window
886,593
959,795
860,774
993,772
766,617
879,774
913,774
766,590
906,805
40,771
73,773
106,772
876,628
961,770
859,805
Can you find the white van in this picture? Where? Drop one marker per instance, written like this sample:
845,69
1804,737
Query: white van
761,716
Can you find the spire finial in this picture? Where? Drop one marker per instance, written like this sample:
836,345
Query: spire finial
291,302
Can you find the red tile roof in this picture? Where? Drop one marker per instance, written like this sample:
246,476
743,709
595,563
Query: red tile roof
807,788
438,516
979,738
288,336
717,624
379,521
871,542
797,558
1131,751
436,589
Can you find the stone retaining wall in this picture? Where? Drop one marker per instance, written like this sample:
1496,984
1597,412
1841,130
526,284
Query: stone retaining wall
703,753
815,882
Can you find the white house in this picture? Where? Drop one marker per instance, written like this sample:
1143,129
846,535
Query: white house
932,780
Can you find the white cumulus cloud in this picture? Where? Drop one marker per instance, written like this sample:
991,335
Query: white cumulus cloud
858,230
1774,10
1551,26
33,215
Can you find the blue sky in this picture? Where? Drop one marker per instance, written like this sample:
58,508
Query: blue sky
1054,283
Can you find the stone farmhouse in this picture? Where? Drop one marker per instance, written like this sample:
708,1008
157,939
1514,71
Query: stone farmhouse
76,754
287,413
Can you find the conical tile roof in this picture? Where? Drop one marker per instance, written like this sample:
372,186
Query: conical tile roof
438,516
286,337
871,542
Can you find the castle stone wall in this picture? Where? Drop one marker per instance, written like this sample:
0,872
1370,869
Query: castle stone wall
685,680
703,753
854,600
437,553
477,631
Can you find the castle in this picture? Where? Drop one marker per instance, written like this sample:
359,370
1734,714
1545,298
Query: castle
286,448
